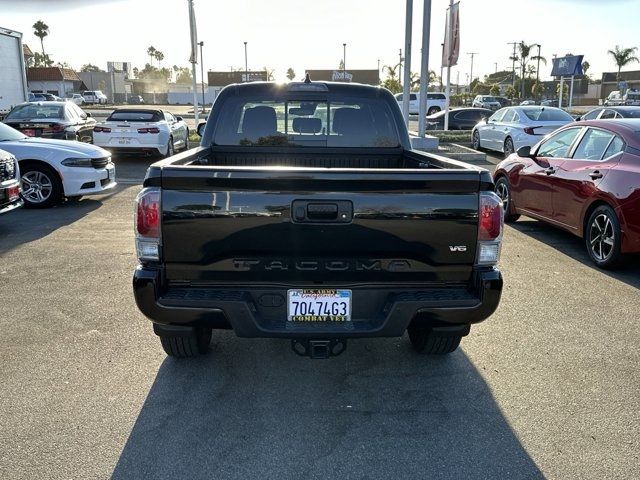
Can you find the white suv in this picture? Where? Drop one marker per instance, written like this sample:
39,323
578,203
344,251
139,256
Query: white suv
486,101
436,101
94,96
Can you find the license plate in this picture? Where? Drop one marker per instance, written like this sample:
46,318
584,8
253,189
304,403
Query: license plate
124,141
319,305
29,132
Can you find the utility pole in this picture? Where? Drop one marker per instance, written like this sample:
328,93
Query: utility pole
447,92
472,54
202,73
378,69
424,68
496,65
246,64
513,67
407,61
441,66
400,67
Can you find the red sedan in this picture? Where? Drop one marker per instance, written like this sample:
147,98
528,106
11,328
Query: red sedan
584,178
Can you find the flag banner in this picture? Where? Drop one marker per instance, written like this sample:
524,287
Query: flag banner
451,49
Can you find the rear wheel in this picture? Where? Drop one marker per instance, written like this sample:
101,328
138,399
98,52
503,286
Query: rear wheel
41,187
170,148
602,237
426,341
433,110
475,140
508,147
503,190
187,346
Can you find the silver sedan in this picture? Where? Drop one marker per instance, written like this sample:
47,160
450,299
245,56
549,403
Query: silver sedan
513,127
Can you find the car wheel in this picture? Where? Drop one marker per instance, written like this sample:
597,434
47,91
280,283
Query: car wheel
186,141
508,147
187,346
41,187
433,110
475,140
602,237
503,190
425,341
170,149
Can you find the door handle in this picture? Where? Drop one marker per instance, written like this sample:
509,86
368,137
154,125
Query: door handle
595,175
550,171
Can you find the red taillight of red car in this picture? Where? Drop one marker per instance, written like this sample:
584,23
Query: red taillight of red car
529,131
490,223
13,193
102,129
149,130
147,224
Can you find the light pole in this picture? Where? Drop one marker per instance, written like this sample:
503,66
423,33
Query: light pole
441,66
378,69
246,68
344,59
538,67
400,67
496,65
202,72
473,54
513,66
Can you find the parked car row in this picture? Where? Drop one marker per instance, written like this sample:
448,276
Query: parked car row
616,98
88,96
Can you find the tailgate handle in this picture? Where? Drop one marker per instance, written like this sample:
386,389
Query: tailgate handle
322,211
314,211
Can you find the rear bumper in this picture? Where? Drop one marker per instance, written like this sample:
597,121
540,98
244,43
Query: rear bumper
379,311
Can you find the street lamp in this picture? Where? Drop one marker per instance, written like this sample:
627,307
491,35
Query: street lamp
246,68
344,58
202,72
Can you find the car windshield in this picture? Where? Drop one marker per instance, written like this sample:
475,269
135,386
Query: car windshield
489,99
7,133
547,115
133,116
33,111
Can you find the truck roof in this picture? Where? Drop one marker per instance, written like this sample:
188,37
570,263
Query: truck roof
274,88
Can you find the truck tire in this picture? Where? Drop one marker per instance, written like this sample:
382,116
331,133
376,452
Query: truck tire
425,341
187,346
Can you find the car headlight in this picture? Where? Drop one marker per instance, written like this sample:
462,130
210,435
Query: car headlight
77,162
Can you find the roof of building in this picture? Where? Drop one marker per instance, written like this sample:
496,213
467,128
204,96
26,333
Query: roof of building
52,74
632,75
26,51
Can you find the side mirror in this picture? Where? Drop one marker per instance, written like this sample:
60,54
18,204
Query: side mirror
200,128
524,151
179,119
88,114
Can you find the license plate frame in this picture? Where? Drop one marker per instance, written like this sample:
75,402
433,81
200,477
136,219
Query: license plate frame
321,305
29,132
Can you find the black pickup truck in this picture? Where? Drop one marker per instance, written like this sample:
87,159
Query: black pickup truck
305,214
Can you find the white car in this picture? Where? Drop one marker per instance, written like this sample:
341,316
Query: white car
142,130
486,101
513,127
75,98
614,99
436,101
94,96
54,169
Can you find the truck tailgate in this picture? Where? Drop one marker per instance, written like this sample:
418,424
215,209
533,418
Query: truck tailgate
309,226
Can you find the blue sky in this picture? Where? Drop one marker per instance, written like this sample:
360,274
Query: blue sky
309,34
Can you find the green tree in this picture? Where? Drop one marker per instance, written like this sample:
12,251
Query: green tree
565,92
151,51
136,72
270,72
40,60
585,67
623,57
159,56
41,30
183,74
522,57
481,89
511,92
151,72
88,67
341,65
537,90
291,74
495,90
391,82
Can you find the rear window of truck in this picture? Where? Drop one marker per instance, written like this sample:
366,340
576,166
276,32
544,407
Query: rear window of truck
335,122
134,116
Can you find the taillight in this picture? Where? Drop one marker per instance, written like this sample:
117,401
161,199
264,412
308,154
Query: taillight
54,129
102,129
490,223
149,130
529,131
147,224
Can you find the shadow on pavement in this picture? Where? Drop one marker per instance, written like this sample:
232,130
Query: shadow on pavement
26,225
253,409
572,246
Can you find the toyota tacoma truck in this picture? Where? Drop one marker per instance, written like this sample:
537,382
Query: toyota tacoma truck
305,215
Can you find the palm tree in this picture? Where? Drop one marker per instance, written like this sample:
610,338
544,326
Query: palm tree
623,57
158,55
525,56
291,74
151,51
391,70
41,30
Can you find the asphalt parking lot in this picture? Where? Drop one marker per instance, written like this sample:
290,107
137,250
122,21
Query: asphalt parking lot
547,387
